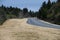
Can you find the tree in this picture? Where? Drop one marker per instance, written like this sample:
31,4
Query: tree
44,4
2,17
11,8
58,0
53,3
42,11
32,14
49,4
25,10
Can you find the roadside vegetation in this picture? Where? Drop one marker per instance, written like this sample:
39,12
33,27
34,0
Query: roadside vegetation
50,12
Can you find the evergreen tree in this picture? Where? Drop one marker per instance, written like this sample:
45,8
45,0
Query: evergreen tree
58,0
42,11
53,3
25,10
49,4
32,14
44,4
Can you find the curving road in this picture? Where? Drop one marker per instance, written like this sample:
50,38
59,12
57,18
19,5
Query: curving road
37,22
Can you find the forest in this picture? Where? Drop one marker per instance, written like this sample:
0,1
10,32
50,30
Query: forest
49,11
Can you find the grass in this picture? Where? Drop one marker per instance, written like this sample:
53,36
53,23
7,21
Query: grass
18,29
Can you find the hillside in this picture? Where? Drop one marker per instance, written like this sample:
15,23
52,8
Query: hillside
18,29
54,13
50,12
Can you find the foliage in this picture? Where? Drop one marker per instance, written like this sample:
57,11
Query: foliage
58,0
50,12
8,12
25,10
43,10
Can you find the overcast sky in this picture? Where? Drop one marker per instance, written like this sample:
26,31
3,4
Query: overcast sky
33,5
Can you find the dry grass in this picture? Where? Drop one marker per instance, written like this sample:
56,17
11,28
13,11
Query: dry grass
18,29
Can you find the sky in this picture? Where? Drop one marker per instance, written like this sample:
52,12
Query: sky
33,5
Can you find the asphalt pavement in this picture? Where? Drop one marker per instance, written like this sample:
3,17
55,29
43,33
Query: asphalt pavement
41,23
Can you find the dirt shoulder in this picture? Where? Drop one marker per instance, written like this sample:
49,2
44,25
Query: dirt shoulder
18,29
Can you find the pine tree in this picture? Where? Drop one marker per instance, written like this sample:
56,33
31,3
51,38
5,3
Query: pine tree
25,10
44,4
58,0
49,4
42,11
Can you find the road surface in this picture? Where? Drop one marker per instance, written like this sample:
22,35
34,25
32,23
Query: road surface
37,22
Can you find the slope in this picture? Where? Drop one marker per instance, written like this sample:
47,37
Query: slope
18,29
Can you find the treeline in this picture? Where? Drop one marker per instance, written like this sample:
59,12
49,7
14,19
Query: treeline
12,12
7,13
50,12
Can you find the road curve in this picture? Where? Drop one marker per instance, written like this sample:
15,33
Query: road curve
37,22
